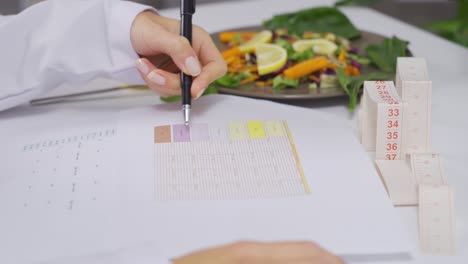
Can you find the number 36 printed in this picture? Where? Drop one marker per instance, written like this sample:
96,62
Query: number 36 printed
392,146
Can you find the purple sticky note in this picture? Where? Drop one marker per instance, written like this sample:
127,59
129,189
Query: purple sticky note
181,133
199,132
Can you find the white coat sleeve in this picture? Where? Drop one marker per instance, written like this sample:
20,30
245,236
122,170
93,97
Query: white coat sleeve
58,41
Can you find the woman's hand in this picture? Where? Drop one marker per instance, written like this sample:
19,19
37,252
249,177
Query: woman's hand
165,53
262,253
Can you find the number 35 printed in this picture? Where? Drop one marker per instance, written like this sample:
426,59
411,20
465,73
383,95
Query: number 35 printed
393,135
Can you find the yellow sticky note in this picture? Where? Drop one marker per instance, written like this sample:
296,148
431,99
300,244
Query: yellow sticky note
274,128
256,129
237,131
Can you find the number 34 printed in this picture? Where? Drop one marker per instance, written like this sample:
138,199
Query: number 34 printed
392,124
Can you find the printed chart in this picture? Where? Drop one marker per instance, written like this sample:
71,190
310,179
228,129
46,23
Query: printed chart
64,173
238,160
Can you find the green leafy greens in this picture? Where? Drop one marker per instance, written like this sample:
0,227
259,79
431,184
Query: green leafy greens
356,2
232,81
229,81
286,45
454,29
319,19
170,99
385,55
303,56
211,89
280,83
352,85
359,59
461,35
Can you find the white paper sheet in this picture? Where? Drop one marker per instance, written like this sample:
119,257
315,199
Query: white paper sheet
56,191
348,211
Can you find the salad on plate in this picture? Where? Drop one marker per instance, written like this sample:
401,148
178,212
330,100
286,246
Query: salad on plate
312,48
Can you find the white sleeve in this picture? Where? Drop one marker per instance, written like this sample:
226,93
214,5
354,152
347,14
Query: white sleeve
58,41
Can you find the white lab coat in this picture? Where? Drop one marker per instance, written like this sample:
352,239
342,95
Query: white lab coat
60,41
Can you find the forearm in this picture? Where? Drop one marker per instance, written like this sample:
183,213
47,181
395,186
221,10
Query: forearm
65,41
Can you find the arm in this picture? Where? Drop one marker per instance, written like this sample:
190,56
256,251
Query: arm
65,41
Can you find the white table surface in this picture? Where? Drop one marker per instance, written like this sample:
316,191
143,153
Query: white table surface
447,64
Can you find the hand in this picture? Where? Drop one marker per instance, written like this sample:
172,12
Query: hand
165,53
262,253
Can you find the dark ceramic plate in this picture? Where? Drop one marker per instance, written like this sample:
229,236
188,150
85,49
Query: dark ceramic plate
302,92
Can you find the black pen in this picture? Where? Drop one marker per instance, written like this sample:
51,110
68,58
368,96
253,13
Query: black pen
187,9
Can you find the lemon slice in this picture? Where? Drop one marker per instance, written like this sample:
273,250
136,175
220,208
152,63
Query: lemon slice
270,58
319,46
259,38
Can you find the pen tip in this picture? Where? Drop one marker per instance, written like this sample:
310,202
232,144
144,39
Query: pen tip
186,109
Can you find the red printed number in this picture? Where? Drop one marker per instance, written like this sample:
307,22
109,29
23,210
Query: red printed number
392,135
391,124
393,112
392,146
391,156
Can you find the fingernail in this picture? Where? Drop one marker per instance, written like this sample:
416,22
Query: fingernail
200,93
193,66
156,78
142,67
